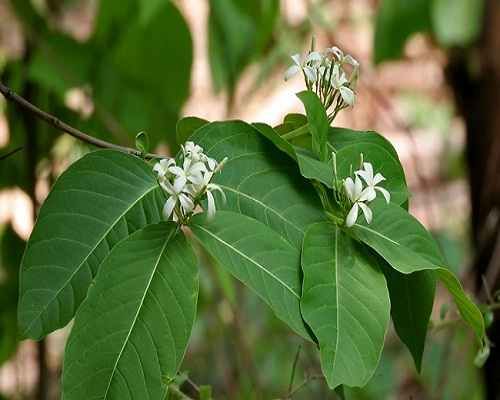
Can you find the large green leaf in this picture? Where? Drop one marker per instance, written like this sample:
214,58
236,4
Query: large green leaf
132,330
317,122
259,181
258,257
345,301
407,246
396,21
411,313
98,201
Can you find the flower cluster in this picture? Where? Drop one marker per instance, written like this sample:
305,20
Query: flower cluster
325,74
187,185
359,196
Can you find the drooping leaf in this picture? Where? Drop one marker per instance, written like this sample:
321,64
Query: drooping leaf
258,257
142,142
259,181
186,126
396,21
412,298
317,122
98,201
132,330
271,134
458,22
407,246
345,301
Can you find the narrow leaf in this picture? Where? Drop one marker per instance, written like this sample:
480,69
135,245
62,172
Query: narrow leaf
187,126
412,298
131,332
345,301
99,200
259,258
318,123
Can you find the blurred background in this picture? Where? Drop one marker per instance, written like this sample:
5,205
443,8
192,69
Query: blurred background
430,82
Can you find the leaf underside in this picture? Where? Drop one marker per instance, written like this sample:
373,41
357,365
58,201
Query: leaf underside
131,332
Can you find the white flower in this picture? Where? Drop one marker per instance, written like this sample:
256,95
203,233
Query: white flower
176,196
191,171
372,181
339,80
308,66
205,187
357,195
192,151
162,167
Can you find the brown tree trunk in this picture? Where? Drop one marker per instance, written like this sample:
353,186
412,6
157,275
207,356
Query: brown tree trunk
474,76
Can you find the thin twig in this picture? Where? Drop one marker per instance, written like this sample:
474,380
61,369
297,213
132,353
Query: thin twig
62,126
10,153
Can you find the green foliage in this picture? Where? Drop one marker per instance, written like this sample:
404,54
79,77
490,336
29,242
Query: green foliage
131,332
98,201
345,302
258,257
142,142
318,123
281,233
457,23
396,21
186,126
238,31
452,23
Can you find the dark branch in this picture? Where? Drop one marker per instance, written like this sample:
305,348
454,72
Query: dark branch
10,153
62,126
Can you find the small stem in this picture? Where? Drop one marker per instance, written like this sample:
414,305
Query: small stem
62,126
294,368
304,129
10,153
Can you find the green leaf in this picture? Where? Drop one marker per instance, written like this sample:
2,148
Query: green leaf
259,258
411,312
407,246
238,31
187,126
458,22
96,202
259,181
345,301
271,134
318,123
312,168
396,21
342,137
132,330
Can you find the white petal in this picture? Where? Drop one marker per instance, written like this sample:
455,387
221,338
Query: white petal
386,194
212,164
210,205
297,59
336,52
167,187
365,175
366,212
378,178
348,95
168,207
213,186
352,216
186,203
368,168
179,183
197,168
291,72
310,74
368,194
351,60
358,187
176,170
197,179
314,57
349,188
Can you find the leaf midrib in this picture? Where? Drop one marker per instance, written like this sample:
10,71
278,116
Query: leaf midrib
261,267
28,329
139,308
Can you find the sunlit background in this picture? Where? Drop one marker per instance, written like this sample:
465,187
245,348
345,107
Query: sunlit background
114,68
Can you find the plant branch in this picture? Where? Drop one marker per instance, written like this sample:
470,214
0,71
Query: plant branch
10,153
62,126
